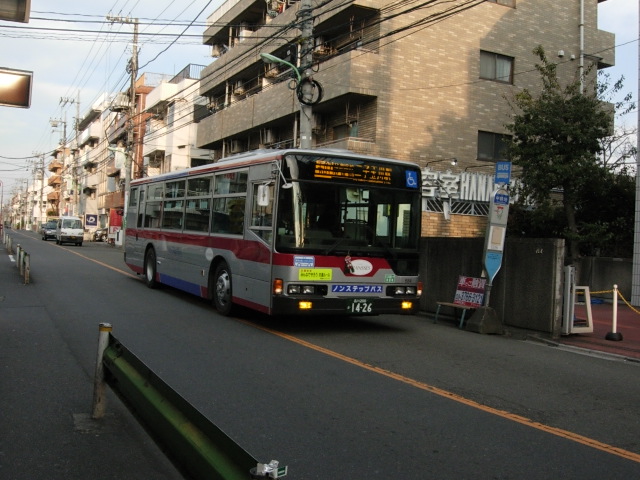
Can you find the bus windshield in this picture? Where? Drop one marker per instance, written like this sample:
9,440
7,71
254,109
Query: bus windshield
346,207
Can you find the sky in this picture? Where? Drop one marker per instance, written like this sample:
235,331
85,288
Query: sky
76,56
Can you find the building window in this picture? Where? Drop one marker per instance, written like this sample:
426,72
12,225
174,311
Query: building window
492,146
494,66
506,3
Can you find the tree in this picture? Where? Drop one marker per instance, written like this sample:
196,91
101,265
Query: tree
556,142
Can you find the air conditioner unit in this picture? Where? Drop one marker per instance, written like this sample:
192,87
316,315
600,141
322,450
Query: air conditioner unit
235,146
217,50
271,71
244,34
238,88
268,136
120,102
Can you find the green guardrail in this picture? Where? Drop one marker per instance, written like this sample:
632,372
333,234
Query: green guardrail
193,442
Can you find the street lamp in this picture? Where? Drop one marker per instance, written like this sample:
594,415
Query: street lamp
304,90
268,58
453,160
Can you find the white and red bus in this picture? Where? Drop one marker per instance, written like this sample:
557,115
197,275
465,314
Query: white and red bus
283,232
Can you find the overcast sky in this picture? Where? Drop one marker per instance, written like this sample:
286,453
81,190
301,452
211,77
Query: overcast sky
67,64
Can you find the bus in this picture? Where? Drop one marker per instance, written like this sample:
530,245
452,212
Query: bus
283,232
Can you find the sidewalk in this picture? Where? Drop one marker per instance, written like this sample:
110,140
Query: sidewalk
46,430
628,325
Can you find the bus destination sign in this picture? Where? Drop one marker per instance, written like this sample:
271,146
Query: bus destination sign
335,169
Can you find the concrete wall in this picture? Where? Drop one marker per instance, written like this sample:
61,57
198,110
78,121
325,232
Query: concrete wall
527,291
600,274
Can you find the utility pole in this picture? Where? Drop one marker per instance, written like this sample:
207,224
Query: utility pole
306,60
74,166
132,69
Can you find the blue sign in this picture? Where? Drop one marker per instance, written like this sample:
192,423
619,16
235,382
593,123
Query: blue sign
503,173
501,199
492,263
304,261
411,178
90,220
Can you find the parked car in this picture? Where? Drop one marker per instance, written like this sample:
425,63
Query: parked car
49,230
69,230
100,235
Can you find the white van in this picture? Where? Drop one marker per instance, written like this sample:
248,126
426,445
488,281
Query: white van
69,230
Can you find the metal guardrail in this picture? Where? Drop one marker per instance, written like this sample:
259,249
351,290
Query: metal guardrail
196,445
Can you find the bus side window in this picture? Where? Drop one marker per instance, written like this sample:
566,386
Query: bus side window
236,214
141,209
152,214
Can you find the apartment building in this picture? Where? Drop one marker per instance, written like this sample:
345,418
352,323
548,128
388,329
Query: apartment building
426,84
174,108
100,179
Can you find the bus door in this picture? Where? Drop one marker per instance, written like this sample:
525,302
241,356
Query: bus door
135,211
259,232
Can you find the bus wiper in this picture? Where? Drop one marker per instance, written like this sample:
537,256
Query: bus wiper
335,244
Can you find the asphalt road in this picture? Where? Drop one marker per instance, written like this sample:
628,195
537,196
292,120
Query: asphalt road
370,397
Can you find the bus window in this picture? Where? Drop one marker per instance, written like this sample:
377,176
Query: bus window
229,197
198,206
172,214
152,214
232,182
139,221
174,189
262,211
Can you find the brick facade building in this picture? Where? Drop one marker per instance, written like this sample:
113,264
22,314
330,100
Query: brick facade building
422,85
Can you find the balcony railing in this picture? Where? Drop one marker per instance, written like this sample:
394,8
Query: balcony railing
55,165
55,180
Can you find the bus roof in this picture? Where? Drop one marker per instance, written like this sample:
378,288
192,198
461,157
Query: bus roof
262,156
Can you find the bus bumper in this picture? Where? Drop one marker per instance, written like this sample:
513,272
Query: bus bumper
284,305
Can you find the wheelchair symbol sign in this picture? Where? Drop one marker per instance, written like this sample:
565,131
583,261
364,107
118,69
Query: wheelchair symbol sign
411,179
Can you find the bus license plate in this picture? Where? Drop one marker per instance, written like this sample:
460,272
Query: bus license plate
360,305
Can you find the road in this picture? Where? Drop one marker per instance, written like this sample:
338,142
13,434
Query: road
363,398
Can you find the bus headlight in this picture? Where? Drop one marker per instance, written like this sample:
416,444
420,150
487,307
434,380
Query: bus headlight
401,290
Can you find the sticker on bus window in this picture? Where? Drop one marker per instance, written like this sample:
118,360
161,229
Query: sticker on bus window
321,274
304,261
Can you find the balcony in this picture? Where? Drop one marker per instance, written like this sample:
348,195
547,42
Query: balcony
89,134
90,181
359,145
55,165
110,168
351,81
113,200
155,143
53,197
160,96
54,181
603,43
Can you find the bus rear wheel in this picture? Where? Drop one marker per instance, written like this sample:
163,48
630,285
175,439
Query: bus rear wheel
150,267
222,289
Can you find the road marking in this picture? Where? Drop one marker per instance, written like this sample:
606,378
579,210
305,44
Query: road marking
575,437
102,263
12,258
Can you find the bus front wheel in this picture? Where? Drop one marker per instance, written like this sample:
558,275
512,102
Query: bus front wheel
222,289
150,268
